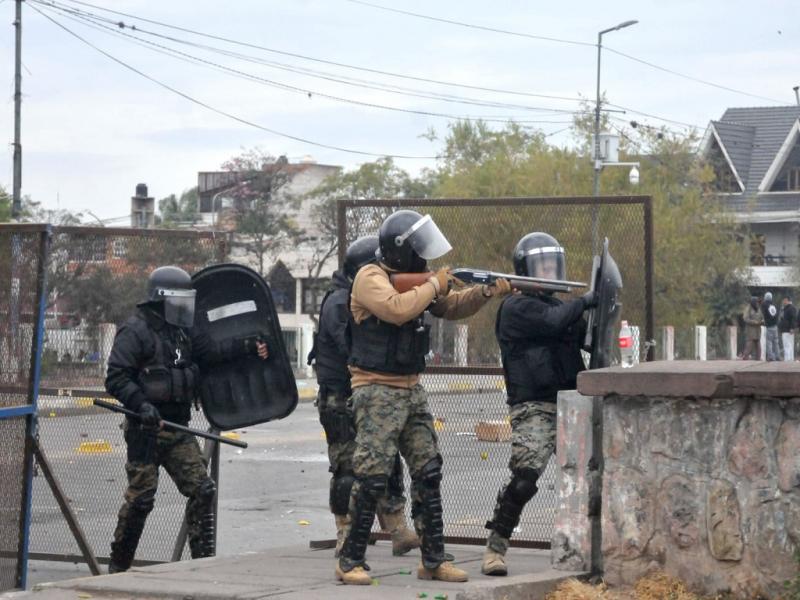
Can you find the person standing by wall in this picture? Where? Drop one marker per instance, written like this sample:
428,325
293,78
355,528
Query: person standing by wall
786,325
753,320
771,322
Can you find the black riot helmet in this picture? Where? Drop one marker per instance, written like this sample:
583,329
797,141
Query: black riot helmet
171,287
407,240
539,254
360,253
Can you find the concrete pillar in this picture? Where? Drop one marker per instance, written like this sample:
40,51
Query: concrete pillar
732,342
576,531
305,343
700,342
668,342
763,344
105,339
461,344
637,343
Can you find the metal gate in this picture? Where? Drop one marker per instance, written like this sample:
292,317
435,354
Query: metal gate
65,290
22,281
464,380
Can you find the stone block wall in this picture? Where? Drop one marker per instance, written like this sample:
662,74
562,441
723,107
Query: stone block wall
701,473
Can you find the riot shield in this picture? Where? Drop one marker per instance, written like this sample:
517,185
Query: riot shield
233,301
602,319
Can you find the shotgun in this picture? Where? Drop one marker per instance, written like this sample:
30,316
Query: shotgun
403,282
171,425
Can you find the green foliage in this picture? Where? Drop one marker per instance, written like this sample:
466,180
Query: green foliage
262,207
181,210
5,206
695,245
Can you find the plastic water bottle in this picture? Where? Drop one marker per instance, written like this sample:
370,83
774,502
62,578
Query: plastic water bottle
626,345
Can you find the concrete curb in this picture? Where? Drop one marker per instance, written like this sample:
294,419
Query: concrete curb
519,587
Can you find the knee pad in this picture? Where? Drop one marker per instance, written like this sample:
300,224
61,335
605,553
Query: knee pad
144,503
523,485
430,475
340,493
374,486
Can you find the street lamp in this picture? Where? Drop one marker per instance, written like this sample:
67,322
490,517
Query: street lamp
598,166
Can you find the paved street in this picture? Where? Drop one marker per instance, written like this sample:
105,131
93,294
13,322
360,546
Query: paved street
274,493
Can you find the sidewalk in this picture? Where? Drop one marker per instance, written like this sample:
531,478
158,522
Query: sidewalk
296,572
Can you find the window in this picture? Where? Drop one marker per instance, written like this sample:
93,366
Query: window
313,293
794,178
119,248
88,248
282,285
758,245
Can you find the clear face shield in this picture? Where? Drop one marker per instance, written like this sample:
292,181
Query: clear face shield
426,239
547,263
178,307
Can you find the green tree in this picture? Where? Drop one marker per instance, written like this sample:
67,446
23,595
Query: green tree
178,210
695,243
5,206
262,208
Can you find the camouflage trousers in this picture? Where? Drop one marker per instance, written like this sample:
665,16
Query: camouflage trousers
180,455
533,441
389,420
340,460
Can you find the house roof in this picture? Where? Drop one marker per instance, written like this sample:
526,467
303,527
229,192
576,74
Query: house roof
761,130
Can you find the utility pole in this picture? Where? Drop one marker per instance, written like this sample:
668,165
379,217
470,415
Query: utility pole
16,206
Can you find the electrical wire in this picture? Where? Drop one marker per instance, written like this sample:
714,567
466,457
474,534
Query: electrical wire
472,25
520,34
321,60
220,111
308,92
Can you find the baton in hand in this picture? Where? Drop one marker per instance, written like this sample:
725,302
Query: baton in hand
171,425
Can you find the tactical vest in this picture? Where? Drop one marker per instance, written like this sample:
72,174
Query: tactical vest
169,377
330,364
536,369
386,348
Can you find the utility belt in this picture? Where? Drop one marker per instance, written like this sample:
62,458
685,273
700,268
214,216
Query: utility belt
163,384
336,419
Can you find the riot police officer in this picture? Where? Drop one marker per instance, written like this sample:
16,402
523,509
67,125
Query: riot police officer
329,355
154,369
540,338
387,356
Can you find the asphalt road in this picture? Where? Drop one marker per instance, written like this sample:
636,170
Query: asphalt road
274,493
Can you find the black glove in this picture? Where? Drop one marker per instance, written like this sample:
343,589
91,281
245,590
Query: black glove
589,299
148,415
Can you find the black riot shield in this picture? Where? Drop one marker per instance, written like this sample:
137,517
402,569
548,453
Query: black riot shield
602,320
233,301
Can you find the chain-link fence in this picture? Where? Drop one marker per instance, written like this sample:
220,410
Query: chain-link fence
21,279
464,377
95,277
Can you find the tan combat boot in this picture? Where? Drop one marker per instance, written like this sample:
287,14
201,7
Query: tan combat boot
355,576
404,539
494,563
342,527
446,571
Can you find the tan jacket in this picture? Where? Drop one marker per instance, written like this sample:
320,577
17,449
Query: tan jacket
373,294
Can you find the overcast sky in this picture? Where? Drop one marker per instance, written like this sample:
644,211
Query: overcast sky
93,129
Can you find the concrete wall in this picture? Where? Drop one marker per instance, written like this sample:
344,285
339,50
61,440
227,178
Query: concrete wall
701,473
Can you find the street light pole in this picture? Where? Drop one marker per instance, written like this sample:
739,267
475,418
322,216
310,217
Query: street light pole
597,164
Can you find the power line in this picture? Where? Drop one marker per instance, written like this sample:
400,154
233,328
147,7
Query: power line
472,25
325,61
690,77
217,110
309,92
520,34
